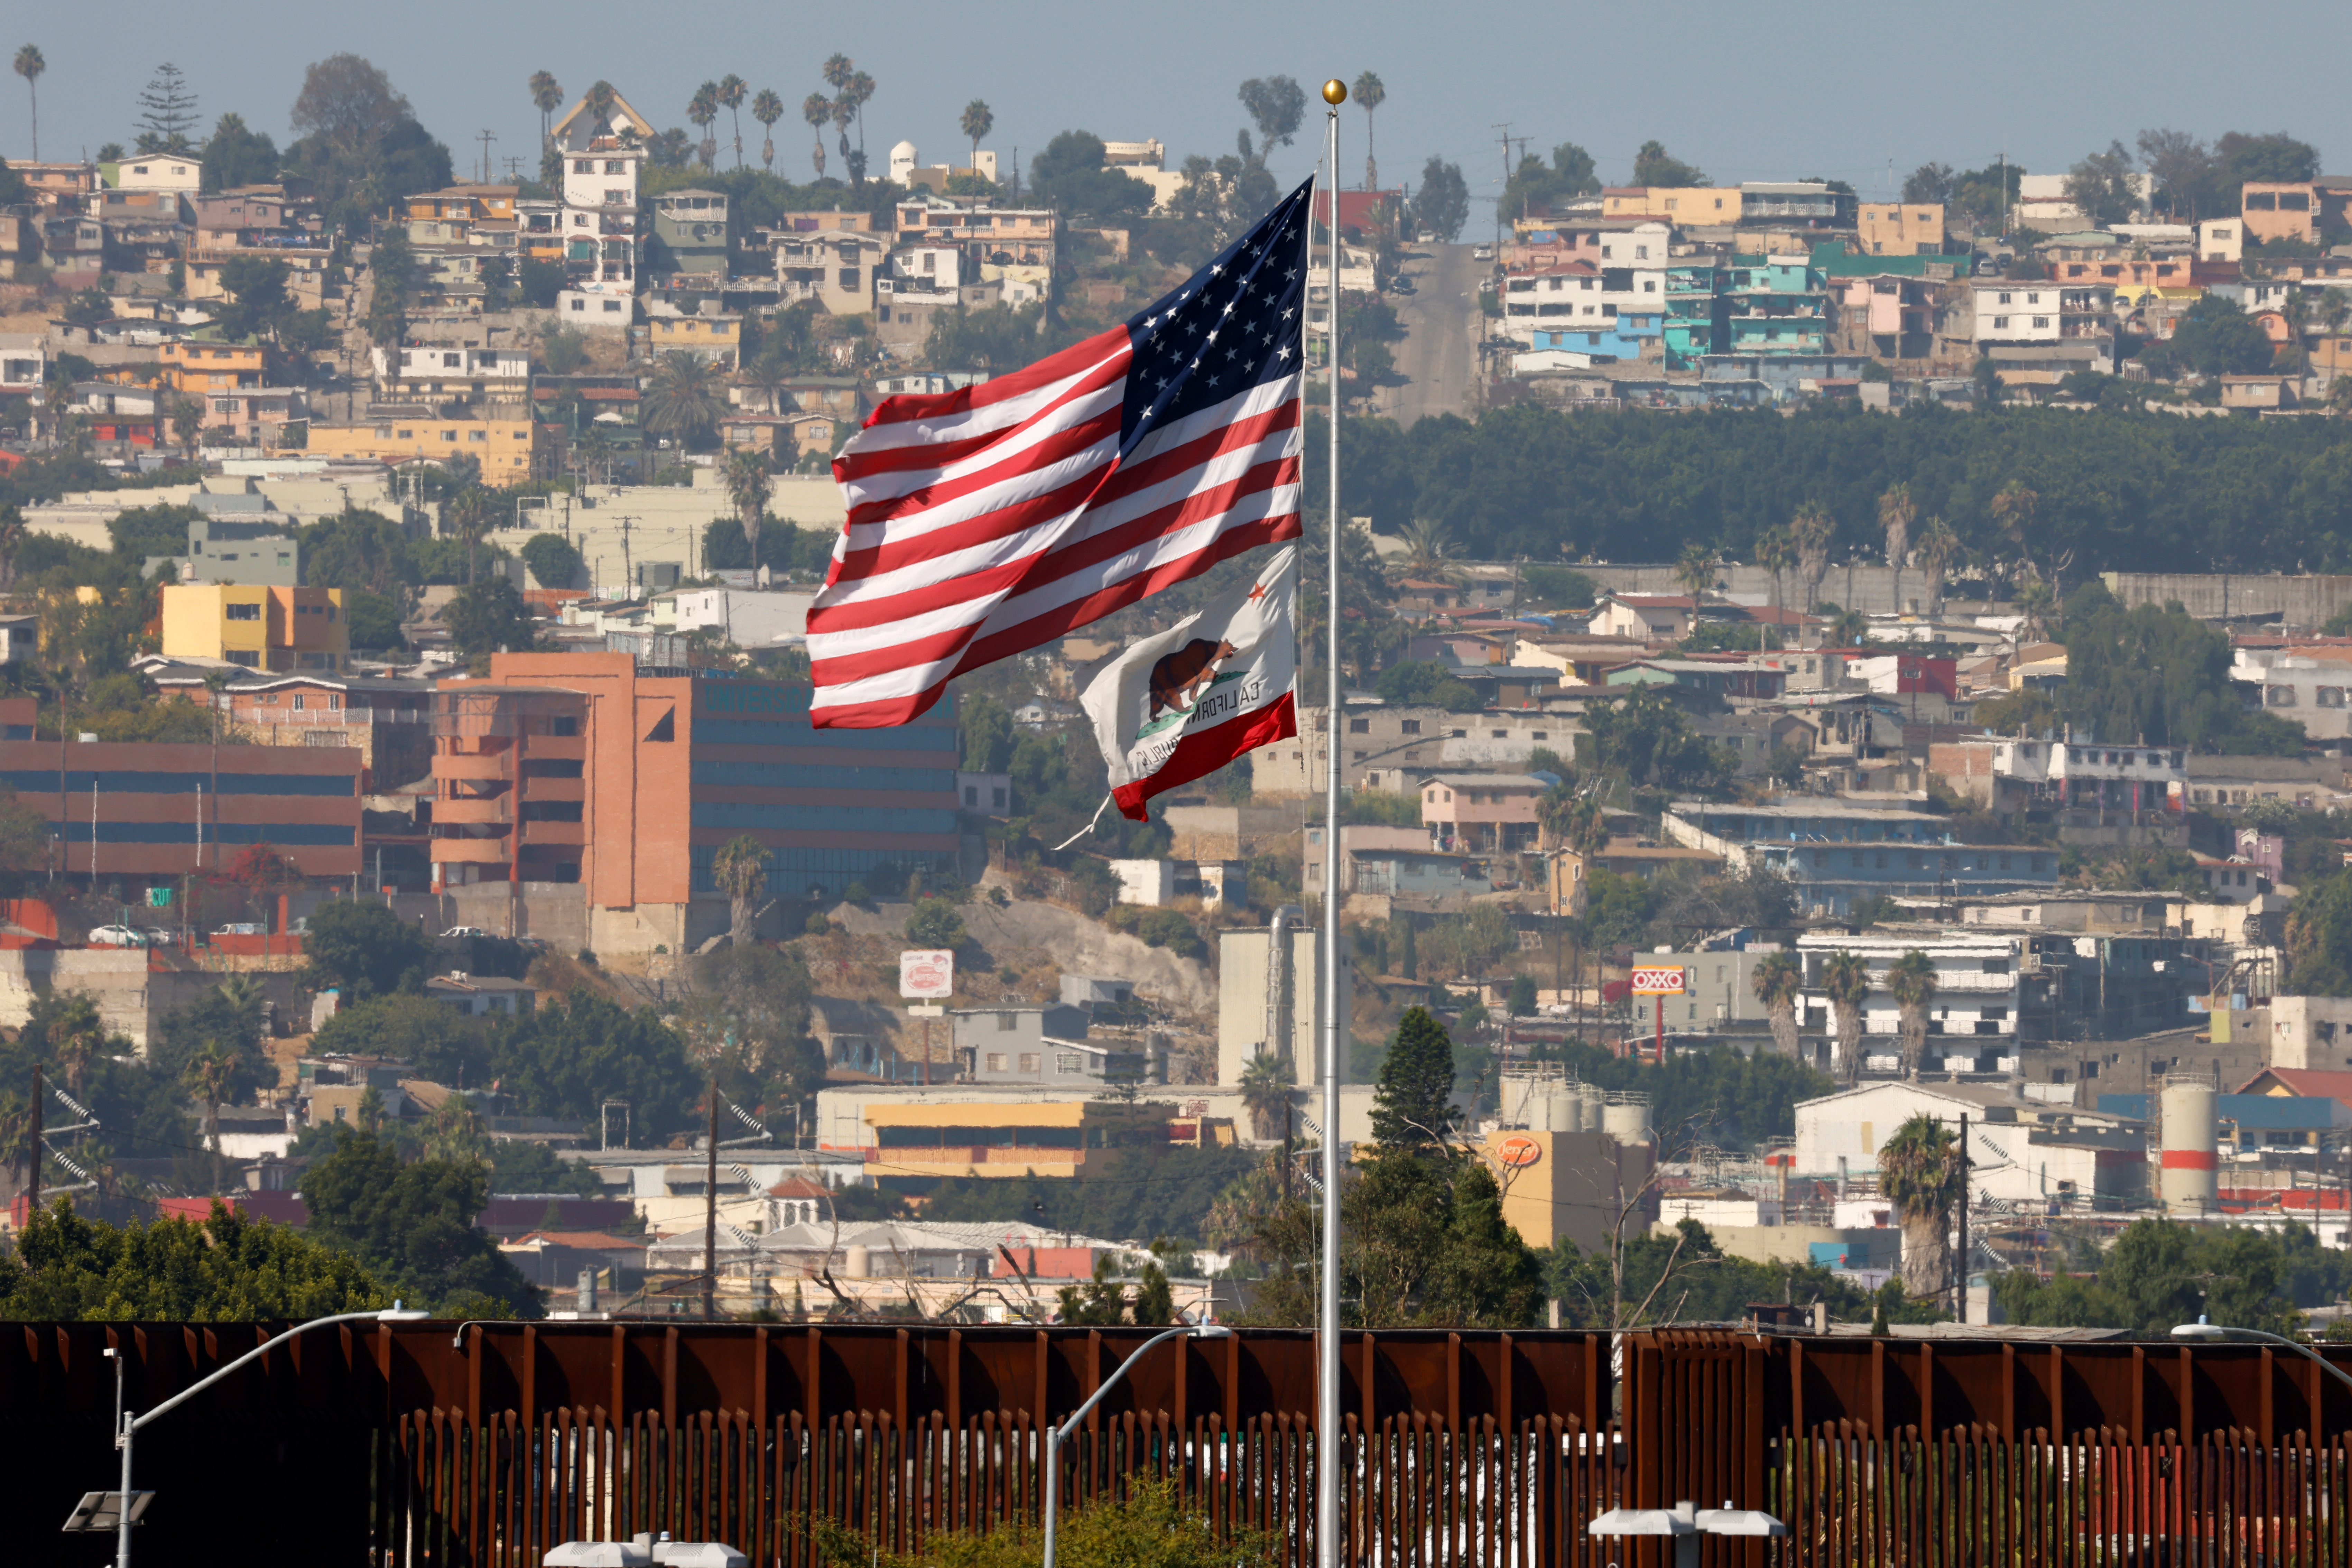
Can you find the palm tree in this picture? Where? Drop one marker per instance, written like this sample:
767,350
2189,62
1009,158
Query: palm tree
767,108
601,99
1370,93
1939,551
1425,541
746,478
30,65
12,540
1696,571
187,417
703,109
1810,533
209,1074
1911,981
730,94
978,121
2035,603
1776,554
77,1038
681,398
1896,512
17,1149
2014,509
1777,980
1918,1173
473,510
547,97
740,870
844,110
1267,1091
839,71
1846,629
1845,981
861,88
816,109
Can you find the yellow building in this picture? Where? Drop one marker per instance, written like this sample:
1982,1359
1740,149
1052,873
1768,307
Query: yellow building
1900,228
1572,1184
203,367
282,629
1676,204
508,450
1004,1138
705,337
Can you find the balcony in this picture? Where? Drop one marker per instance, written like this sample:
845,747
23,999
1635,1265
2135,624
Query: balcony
469,851
569,834
473,766
496,809
555,789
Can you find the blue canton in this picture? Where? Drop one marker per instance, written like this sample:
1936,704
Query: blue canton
1238,323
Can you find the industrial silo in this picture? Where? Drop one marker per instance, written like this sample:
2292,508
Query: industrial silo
1625,1116
2190,1107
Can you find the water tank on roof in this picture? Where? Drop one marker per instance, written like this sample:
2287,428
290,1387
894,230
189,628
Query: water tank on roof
1625,1116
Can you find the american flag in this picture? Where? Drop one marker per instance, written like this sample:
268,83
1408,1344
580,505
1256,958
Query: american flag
989,520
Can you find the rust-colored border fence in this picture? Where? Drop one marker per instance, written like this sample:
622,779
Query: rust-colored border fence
421,1445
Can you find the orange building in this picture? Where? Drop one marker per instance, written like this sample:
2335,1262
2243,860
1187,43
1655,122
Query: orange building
579,768
210,368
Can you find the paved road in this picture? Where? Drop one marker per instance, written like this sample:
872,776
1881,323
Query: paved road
1437,353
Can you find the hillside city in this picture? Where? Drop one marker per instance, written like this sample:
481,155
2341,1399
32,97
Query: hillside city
1845,703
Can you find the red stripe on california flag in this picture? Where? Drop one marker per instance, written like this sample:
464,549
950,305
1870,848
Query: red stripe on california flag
1203,751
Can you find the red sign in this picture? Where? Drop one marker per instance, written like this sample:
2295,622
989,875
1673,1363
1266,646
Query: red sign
1518,1150
1658,980
926,974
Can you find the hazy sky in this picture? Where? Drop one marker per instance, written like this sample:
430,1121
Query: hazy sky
1830,88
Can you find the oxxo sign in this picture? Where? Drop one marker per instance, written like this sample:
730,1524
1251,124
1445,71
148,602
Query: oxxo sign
926,974
1658,980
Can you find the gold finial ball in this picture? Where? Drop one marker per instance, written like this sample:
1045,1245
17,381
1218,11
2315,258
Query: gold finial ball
1335,92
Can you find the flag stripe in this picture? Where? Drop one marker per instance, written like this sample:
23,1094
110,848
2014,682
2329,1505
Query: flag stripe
1203,751
988,520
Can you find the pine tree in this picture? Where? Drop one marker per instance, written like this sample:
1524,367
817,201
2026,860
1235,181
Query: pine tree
167,112
1416,1079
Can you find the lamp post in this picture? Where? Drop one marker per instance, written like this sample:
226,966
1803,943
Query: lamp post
2201,1330
127,1426
1054,1435
1685,1524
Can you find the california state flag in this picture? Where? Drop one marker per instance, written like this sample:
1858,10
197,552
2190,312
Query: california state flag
1179,706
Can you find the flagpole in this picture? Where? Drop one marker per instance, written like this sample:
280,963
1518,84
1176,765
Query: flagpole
1328,1444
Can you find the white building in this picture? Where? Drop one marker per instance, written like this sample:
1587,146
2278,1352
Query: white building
1978,977
2220,239
2009,310
2313,1033
24,365
2309,691
604,230
2019,1150
748,618
161,172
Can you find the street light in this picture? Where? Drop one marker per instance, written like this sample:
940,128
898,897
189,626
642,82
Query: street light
1685,1524
2201,1330
1054,1435
127,1426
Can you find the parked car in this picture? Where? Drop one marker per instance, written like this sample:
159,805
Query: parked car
118,936
1483,253
1401,286
463,931
1428,237
243,928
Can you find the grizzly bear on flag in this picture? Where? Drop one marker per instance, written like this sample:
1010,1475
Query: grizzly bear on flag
1177,679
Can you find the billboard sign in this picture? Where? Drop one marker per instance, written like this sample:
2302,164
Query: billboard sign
1658,980
926,974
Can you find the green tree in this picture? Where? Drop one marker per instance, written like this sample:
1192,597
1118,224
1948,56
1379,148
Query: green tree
1645,738
445,1045
1535,186
1911,981
987,733
2161,675
412,1226
1070,177
1919,1173
2160,1272
554,560
1441,205
749,1005
681,399
1276,105
2100,187
364,950
1426,683
1845,981
29,65
1410,1107
740,870
66,1269
934,924
236,156
569,1055
1777,980
1269,1092
360,147
1653,165
489,618
2319,938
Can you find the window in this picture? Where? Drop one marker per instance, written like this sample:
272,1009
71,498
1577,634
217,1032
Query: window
1498,734
2041,321
2003,300
1029,1060
1359,726
996,1061
1411,727
1541,735
1006,1022
1069,1062
244,611
2280,695
2000,323
1641,252
2329,697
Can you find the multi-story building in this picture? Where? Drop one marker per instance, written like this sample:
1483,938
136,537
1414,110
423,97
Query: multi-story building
1555,295
463,214
1778,305
1839,854
277,629
138,814
258,550
387,721
2307,686
1886,316
835,268
442,372
1900,228
688,246
510,446
575,768
2013,310
2289,209
1489,812
1698,316
603,235
201,367
1685,205
2006,775
708,336
1025,237
1802,203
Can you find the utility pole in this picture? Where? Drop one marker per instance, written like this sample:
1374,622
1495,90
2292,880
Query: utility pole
1961,1276
32,1187
486,137
710,1212
1506,129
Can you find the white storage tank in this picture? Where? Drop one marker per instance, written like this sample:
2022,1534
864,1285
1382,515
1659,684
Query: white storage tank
1563,1112
2190,1181
1625,1116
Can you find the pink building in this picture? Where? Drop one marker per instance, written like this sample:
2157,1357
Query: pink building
1482,813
